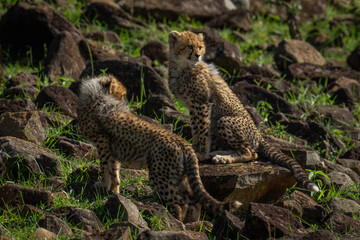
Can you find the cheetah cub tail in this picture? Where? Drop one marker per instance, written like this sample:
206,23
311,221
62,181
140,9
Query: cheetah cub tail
209,203
236,204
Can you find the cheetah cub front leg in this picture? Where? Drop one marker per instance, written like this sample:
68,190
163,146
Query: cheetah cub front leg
109,166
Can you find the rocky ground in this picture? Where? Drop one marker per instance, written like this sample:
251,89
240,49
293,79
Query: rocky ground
306,102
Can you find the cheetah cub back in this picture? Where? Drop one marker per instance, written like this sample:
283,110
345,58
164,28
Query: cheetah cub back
122,137
217,116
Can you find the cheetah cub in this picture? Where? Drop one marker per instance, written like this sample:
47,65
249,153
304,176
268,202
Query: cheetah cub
217,115
121,136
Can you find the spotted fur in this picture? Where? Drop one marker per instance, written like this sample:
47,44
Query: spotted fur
121,136
217,115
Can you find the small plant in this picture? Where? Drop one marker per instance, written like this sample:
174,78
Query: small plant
264,109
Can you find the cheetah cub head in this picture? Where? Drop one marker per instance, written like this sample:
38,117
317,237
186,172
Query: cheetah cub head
186,47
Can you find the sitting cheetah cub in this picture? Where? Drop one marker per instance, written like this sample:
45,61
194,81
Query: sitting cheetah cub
121,136
217,115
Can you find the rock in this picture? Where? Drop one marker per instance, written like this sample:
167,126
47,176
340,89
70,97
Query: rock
340,180
318,39
178,235
16,105
343,96
308,9
86,174
3,167
56,119
341,224
303,71
119,231
246,182
200,226
23,78
295,51
14,194
54,184
156,105
338,117
74,148
96,51
319,234
26,26
63,57
250,95
126,173
311,131
349,177
83,181
55,225
105,36
22,92
244,4
119,206
344,82
23,157
235,19
353,153
292,206
332,113
156,50
267,71
26,210
58,96
311,211
219,51
131,75
276,85
350,163
137,190
86,220
2,74
162,108
354,59
168,222
266,220
347,206
305,156
43,234
228,226
111,14
23,125
255,115
173,9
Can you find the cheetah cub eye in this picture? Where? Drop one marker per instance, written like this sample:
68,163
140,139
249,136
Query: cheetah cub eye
190,47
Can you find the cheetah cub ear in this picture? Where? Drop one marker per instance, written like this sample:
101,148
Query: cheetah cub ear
173,37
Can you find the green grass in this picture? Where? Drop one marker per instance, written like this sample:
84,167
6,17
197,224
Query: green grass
266,30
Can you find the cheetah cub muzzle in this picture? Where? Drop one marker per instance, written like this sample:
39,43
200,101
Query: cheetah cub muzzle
122,137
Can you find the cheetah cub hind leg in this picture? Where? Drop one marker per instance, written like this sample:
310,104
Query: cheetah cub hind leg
227,157
231,131
193,213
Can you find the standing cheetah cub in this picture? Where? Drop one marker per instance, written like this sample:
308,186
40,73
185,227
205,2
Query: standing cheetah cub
121,136
217,115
